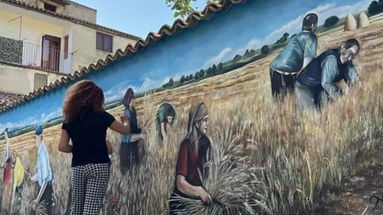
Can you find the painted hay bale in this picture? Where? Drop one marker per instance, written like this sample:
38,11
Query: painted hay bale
350,24
363,20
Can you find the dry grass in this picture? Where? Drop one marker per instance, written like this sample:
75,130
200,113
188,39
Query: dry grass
267,158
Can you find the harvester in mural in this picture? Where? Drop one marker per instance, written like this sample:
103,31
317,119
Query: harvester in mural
165,117
129,149
43,176
295,56
317,83
6,165
192,162
13,178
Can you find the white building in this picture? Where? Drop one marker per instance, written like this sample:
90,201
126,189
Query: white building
44,40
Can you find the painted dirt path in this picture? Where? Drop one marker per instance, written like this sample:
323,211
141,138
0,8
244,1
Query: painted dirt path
354,199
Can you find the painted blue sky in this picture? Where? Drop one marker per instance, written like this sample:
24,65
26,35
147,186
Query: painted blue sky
225,37
245,26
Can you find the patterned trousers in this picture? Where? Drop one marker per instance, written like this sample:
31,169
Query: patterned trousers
89,184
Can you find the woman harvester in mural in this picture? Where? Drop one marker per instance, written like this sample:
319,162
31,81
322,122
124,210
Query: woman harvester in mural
85,123
18,179
13,177
193,156
7,176
166,115
129,143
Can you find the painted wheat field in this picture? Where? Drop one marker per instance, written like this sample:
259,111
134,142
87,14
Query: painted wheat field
268,157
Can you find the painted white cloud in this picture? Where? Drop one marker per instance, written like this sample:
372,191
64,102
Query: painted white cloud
217,59
31,121
47,116
149,84
342,11
117,92
293,26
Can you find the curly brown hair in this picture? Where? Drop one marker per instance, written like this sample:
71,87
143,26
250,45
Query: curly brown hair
82,97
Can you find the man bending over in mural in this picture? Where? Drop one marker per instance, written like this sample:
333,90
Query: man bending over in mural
194,153
7,176
43,174
297,54
129,143
85,123
165,119
324,72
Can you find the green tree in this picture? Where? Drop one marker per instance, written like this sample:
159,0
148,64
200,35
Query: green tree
171,82
283,39
202,73
214,69
209,72
265,49
331,21
237,57
183,8
374,8
182,80
220,67
247,52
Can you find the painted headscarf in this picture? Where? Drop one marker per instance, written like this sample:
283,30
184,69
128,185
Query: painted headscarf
39,129
7,150
129,95
169,111
196,114
165,110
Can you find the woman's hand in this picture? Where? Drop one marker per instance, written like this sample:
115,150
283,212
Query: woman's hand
205,196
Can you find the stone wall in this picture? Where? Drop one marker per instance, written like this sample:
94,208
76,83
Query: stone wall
11,50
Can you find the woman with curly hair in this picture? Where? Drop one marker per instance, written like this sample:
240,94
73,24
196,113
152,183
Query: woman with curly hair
85,123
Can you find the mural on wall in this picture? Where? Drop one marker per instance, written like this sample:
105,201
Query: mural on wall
255,107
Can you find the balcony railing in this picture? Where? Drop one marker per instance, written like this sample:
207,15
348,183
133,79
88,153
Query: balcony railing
35,56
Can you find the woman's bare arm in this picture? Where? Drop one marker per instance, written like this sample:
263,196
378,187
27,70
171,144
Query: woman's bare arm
64,145
191,190
120,128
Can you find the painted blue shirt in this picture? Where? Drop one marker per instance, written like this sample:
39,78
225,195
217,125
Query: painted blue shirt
301,46
126,137
43,168
332,73
326,70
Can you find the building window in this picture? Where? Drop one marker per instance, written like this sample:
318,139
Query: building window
50,7
104,42
50,59
66,40
40,80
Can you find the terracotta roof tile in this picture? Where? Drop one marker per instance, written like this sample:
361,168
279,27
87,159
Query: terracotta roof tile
7,99
165,31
